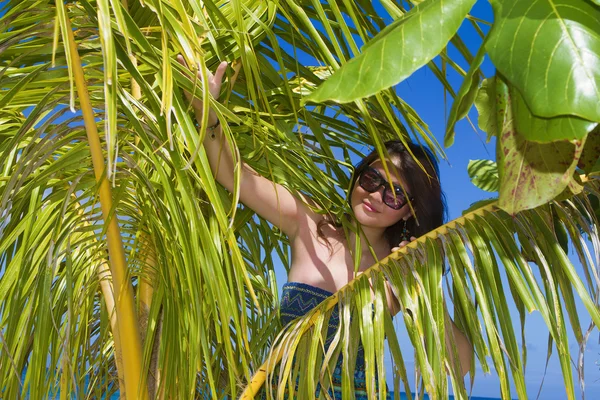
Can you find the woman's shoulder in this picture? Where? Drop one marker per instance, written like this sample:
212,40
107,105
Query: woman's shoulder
321,226
318,222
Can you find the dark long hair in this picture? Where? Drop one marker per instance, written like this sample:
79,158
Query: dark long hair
423,184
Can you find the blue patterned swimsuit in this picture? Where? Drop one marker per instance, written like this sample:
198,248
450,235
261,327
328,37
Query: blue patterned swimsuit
298,299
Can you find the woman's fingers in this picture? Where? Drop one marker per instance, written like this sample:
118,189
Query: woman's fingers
403,243
218,78
214,86
215,81
181,61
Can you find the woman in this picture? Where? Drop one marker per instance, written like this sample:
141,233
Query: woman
322,262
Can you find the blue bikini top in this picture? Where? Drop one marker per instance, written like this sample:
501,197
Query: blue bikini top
298,298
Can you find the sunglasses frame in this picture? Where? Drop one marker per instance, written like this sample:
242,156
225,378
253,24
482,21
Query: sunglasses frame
386,187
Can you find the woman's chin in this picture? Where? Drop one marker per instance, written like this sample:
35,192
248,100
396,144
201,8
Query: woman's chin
366,218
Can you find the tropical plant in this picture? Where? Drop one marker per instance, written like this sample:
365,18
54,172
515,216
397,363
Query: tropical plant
124,266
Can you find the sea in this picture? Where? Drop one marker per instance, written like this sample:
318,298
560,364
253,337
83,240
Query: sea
402,397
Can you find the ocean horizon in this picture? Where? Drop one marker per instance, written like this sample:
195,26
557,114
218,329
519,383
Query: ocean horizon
403,396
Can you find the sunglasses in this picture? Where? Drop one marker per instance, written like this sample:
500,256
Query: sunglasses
371,180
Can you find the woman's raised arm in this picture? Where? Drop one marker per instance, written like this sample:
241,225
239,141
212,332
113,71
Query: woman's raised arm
268,199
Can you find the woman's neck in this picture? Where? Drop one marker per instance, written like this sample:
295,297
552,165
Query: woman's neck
374,237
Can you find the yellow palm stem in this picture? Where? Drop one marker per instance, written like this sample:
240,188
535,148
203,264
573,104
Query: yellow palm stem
260,376
106,287
146,281
126,317
136,91
64,377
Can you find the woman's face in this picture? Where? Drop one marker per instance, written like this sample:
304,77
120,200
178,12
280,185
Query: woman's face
369,208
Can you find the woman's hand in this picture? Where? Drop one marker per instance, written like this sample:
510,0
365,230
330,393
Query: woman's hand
214,87
403,243
392,301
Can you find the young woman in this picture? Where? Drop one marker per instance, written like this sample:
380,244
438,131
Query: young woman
321,259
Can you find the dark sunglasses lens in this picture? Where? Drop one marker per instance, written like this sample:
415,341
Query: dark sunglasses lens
395,203
370,180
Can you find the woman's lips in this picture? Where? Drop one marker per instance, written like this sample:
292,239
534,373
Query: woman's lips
369,207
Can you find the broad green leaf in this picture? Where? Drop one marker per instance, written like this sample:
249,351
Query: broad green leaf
531,173
550,51
544,130
596,168
484,174
396,52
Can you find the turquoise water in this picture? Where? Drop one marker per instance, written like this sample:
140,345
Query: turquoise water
115,396
402,397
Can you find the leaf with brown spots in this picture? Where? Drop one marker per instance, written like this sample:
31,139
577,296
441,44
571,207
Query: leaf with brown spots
531,173
591,152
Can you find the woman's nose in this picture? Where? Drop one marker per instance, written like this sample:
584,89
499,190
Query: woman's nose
378,194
